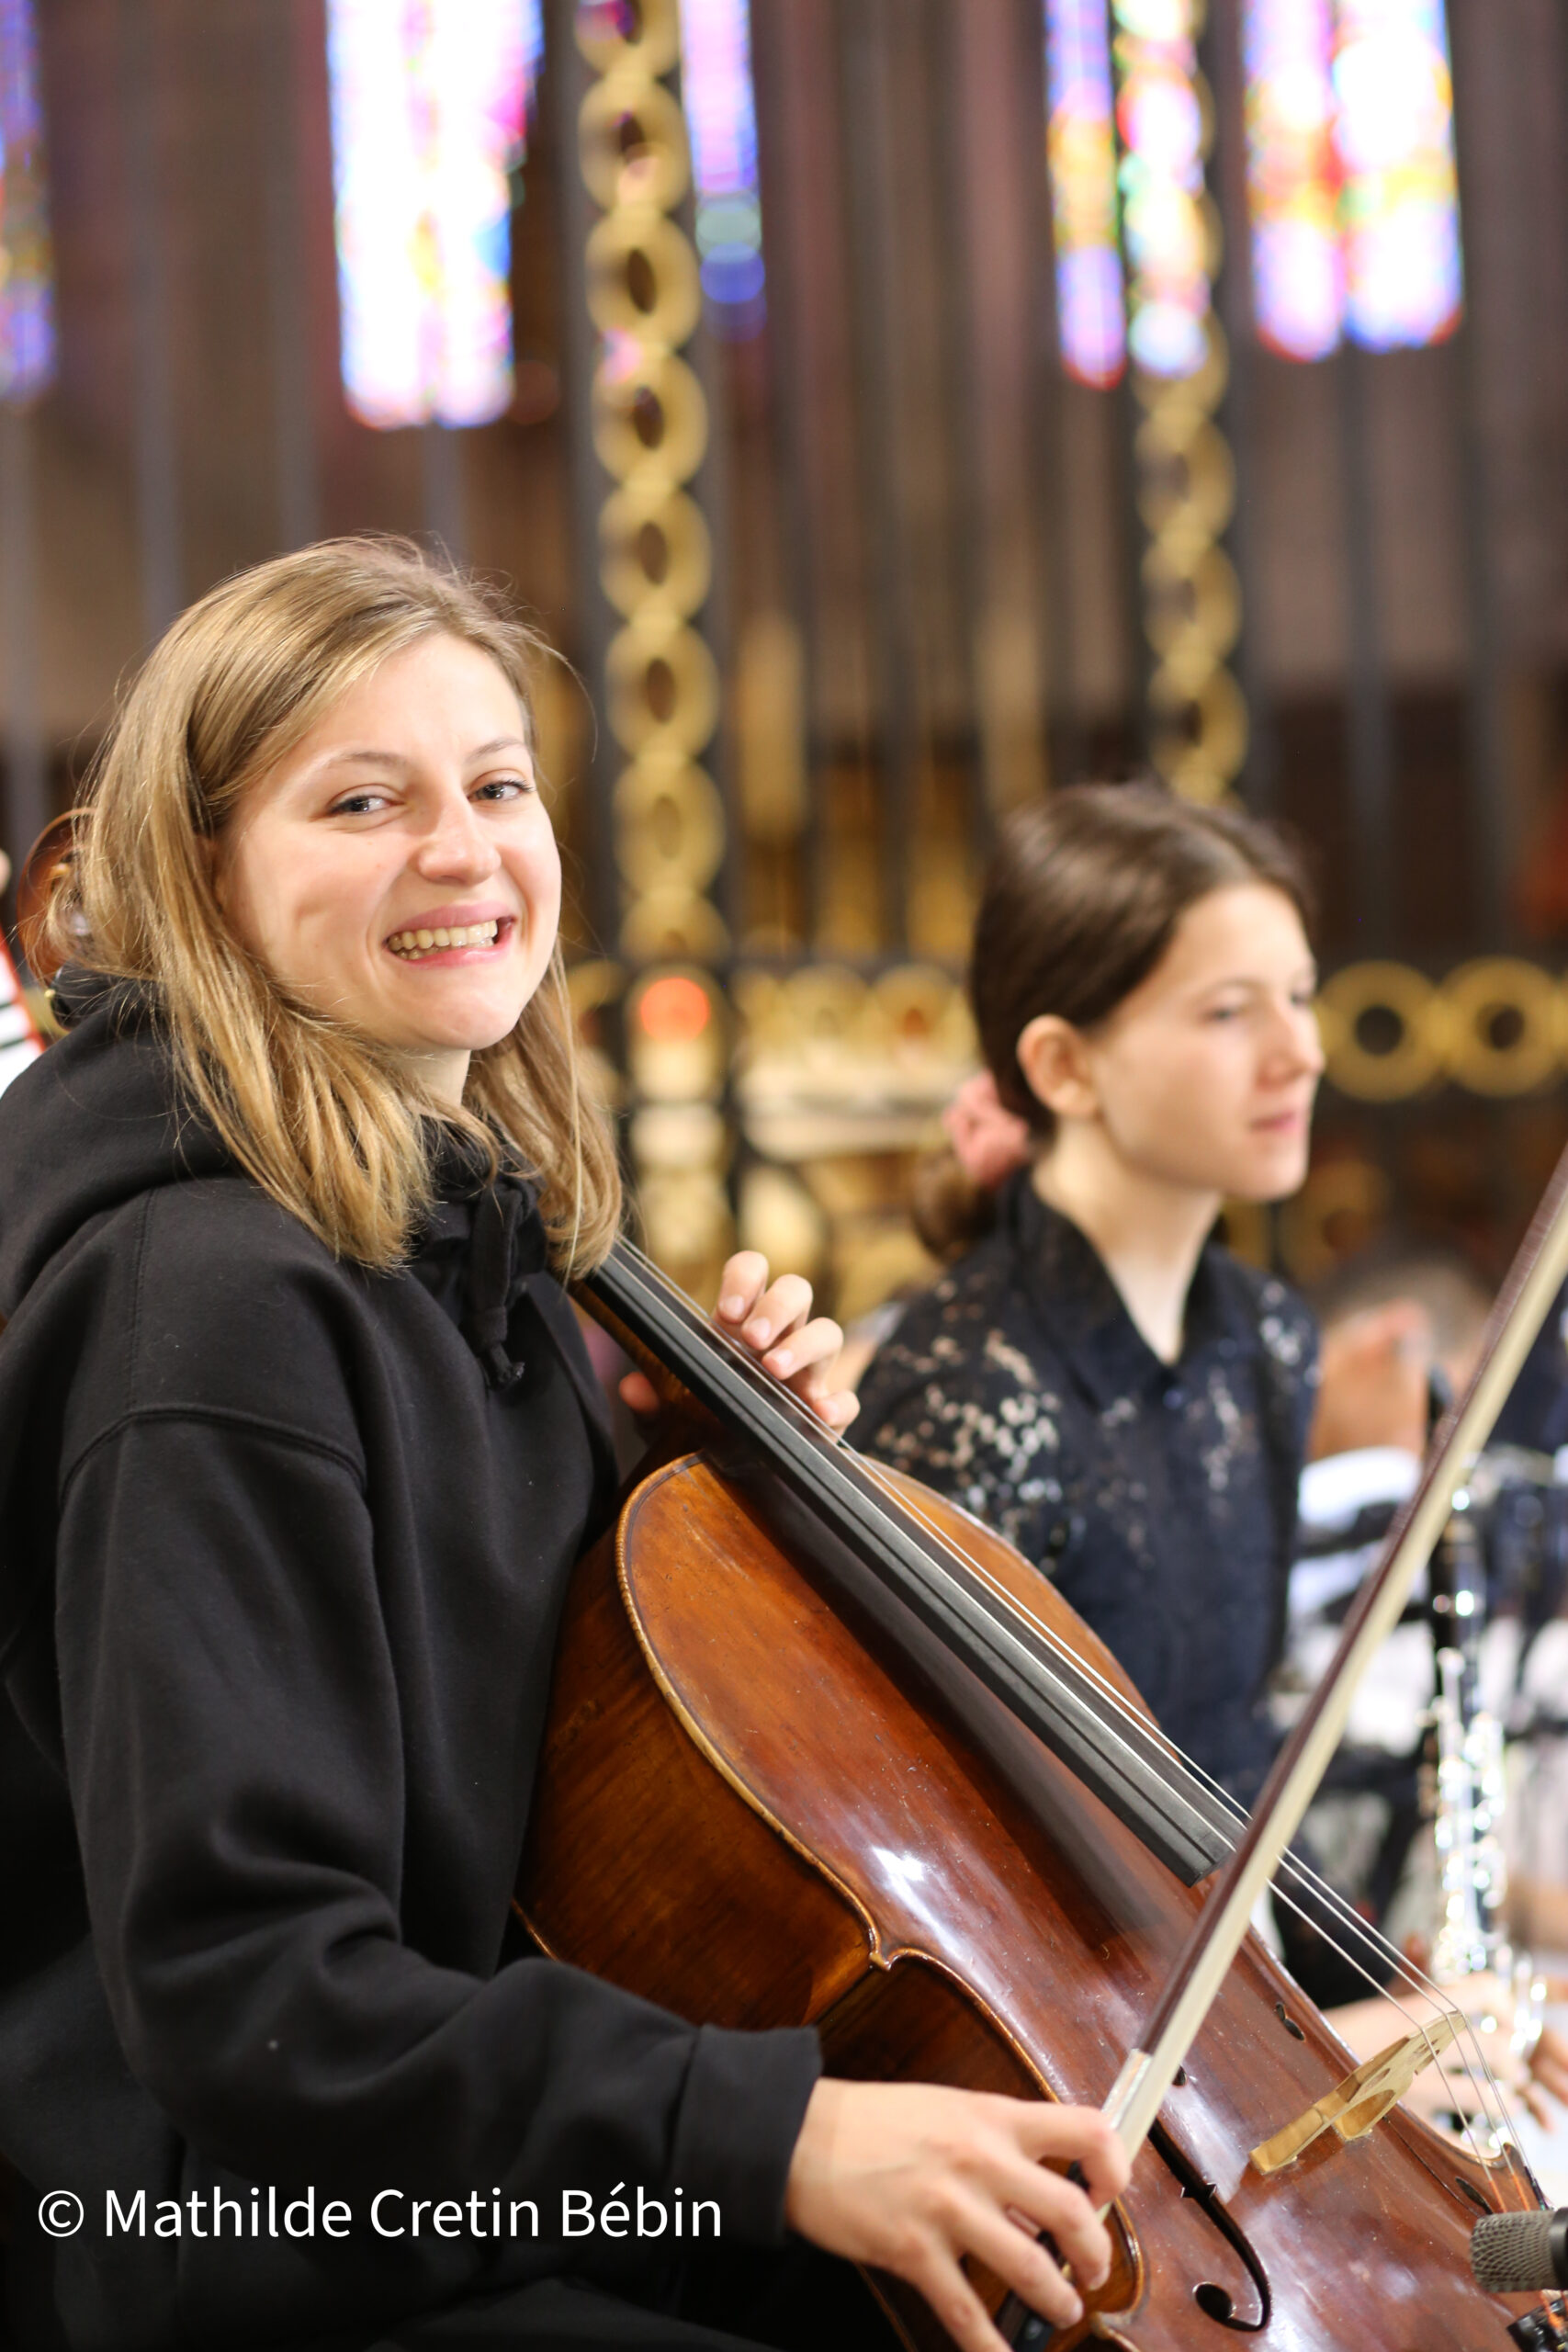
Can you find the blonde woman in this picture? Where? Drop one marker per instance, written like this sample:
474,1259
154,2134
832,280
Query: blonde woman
298,1445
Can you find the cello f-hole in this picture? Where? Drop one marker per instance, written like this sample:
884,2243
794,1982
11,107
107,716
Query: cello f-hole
1217,2303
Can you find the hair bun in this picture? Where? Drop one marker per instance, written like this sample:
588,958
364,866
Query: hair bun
949,1210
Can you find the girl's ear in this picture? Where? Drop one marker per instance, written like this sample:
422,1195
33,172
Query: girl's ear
1055,1059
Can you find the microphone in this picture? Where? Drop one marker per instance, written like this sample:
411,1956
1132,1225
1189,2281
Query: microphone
1520,2254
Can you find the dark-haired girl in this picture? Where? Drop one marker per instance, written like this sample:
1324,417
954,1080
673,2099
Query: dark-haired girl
1095,1375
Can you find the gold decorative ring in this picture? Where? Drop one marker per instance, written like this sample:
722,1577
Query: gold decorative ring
662,686
1414,1057
651,421
669,823
1502,990
631,142
1193,596
656,555
1199,762
646,36
642,276
1189,486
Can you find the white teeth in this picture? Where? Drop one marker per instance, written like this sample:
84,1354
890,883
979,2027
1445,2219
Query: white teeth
414,944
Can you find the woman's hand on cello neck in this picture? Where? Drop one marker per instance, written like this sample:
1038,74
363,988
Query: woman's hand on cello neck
911,2178
775,1322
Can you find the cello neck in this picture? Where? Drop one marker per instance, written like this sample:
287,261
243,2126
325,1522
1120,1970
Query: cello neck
922,1589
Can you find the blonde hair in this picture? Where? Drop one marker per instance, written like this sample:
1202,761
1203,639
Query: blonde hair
326,1120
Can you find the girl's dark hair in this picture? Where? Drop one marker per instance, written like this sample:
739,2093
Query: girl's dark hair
1081,900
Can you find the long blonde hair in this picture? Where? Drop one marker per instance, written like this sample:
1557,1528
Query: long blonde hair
326,1121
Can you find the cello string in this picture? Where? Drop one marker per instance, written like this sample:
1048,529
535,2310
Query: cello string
1491,2100
780,1398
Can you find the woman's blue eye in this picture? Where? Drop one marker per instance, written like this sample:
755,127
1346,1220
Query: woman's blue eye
358,803
501,786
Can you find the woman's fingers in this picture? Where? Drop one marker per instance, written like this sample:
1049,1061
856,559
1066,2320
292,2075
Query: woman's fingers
1013,2256
771,1316
1538,2105
806,1362
1084,2137
805,1358
775,1320
817,1342
782,1305
638,1394
958,2307
911,2178
741,1284
1013,2253
1038,2201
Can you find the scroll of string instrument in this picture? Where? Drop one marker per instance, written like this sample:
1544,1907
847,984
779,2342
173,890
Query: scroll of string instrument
771,1796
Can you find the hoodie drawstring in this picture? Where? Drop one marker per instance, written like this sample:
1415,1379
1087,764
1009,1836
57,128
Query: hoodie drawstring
488,1281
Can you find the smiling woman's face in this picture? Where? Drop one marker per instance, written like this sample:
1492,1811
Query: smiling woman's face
396,869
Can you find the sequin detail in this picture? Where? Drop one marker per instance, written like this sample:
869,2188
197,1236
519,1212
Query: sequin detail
1161,1499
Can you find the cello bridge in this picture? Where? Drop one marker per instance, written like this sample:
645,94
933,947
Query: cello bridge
1362,2099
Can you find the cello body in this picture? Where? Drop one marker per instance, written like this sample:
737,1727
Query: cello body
747,1812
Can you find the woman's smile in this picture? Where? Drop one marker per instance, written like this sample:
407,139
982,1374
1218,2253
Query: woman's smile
448,935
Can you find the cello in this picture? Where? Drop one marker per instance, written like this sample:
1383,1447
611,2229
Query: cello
820,1751
824,1750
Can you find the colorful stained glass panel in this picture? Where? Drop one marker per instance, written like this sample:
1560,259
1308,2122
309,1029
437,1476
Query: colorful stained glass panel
1293,173
1163,224
1400,207
429,102
721,122
27,284
1081,153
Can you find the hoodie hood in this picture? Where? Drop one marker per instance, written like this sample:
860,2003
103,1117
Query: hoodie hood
97,1121
94,1124
97,1152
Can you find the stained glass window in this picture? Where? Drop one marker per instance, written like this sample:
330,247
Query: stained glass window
1293,175
1081,152
1400,203
27,266
430,110
1350,165
721,118
1160,118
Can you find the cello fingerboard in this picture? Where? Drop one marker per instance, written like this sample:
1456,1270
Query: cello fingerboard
933,1601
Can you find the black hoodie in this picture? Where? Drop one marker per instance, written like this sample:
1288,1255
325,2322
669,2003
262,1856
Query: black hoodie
283,1546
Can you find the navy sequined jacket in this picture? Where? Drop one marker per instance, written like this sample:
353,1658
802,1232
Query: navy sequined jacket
1161,1498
